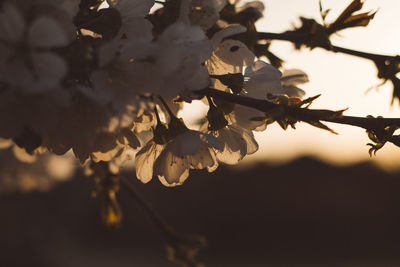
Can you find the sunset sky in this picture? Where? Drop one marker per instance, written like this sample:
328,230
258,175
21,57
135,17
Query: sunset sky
342,80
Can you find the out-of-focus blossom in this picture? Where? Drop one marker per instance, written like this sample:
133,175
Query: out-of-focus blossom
205,12
27,61
41,175
96,92
132,12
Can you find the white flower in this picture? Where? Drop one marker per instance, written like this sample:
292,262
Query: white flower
261,79
26,60
189,150
175,66
182,50
238,142
229,56
171,160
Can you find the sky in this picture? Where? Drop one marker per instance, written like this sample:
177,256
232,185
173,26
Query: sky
342,80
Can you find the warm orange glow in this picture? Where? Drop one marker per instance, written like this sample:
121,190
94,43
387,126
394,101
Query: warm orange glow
342,80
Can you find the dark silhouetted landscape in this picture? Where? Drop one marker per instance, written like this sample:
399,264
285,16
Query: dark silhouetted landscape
305,213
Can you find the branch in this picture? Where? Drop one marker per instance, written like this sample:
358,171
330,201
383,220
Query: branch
299,38
302,113
155,216
181,248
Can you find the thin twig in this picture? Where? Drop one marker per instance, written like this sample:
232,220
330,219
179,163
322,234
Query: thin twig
153,213
172,236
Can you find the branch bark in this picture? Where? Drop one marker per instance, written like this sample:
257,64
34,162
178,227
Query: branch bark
302,39
302,113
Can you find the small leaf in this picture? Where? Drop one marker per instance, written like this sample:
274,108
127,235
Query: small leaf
360,20
348,20
320,125
283,124
308,100
350,9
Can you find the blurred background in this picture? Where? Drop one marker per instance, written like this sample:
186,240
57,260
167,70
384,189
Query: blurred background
344,82
306,198
305,213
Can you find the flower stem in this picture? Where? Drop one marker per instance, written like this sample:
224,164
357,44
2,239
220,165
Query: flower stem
171,115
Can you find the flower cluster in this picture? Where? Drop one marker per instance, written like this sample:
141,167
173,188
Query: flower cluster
105,78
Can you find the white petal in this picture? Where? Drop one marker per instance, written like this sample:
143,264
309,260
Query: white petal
107,155
12,24
5,143
184,12
138,49
230,57
202,159
293,91
22,155
235,146
180,33
187,143
219,4
290,79
263,79
229,157
70,6
138,29
228,31
170,169
15,72
144,161
108,51
261,67
252,145
214,142
243,116
49,69
132,8
294,77
214,158
46,33
199,79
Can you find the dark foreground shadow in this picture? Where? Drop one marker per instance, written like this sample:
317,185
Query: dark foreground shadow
305,213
